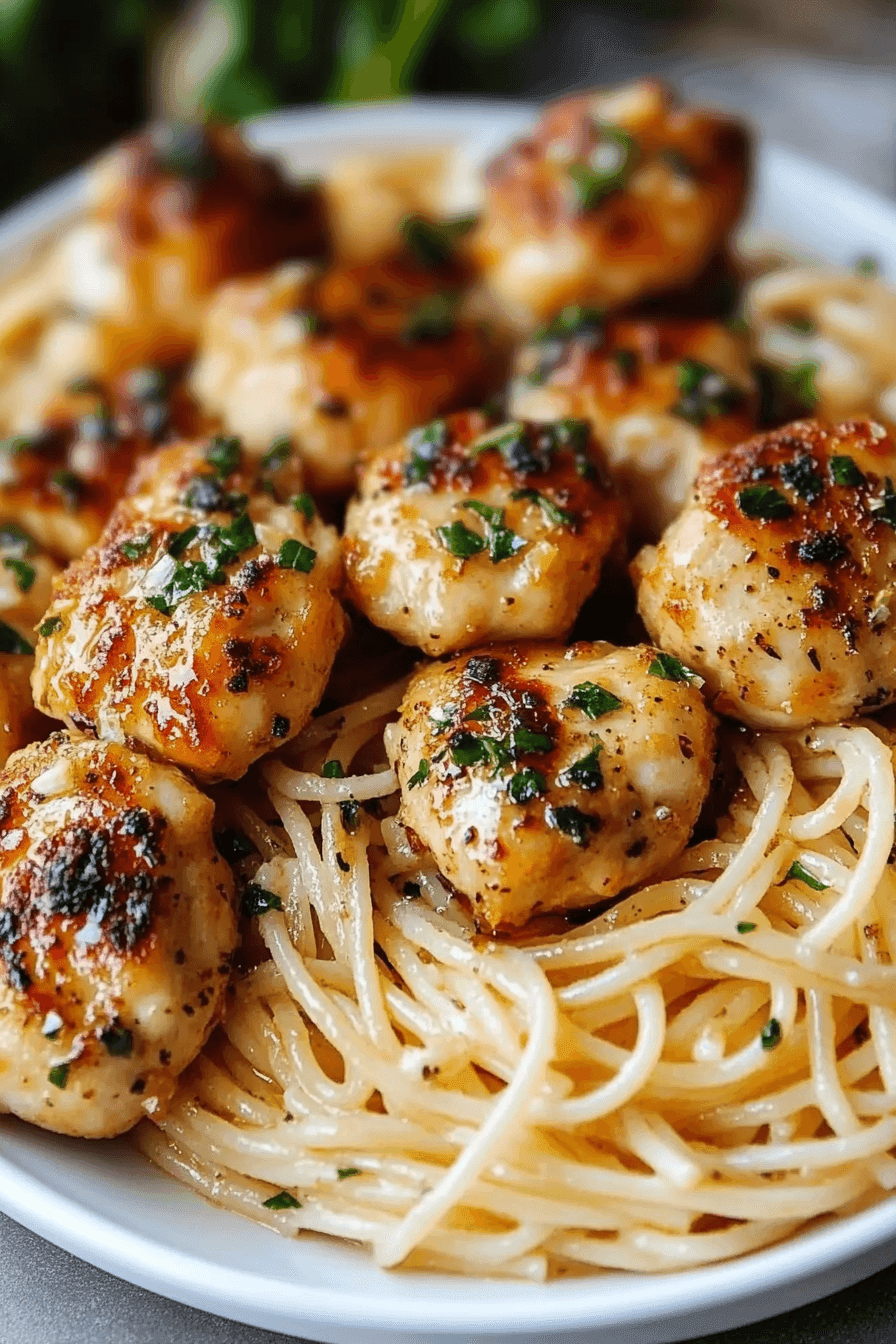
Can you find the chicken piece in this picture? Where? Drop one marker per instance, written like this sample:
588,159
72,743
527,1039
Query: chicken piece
177,209
368,197
272,364
26,582
776,583
544,778
661,396
61,479
829,335
116,934
614,196
20,723
204,623
466,532
173,212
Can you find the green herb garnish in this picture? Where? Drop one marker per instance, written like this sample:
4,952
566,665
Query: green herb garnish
345,1172
305,505
526,785
136,547
282,1201
552,511
770,1036
118,1041
704,392
670,668
610,165
593,699
420,775
70,487
178,542
457,538
224,453
58,1075
571,821
503,543
801,475
745,927
431,243
15,539
823,548
50,626
257,900
11,641
586,773
424,445
434,320
867,265
845,472
332,770
296,555
797,873
23,573
763,501
276,456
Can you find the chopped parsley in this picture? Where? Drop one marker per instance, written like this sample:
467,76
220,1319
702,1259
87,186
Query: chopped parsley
763,501
296,555
800,382
770,1036
669,668
480,715
797,873
551,510
523,740
745,926
468,749
586,773
573,320
178,542
58,1075
276,456
593,699
70,487
23,573
801,474
610,164
457,538
420,775
573,822
868,266
118,1041
224,454
885,507
257,900
345,1172
305,505
704,392
484,671
50,626
433,320
332,770
282,1201
11,641
823,548
233,844
424,445
503,542
518,451
845,472
526,785
136,546
431,243
15,539
189,577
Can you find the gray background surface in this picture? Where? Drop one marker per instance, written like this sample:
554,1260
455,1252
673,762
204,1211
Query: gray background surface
840,112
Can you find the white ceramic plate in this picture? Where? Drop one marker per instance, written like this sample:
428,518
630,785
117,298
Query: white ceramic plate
102,1202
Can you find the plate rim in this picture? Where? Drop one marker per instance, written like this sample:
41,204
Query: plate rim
597,1302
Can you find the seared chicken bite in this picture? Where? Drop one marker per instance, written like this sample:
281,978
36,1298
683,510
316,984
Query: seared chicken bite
61,478
544,778
116,934
777,583
466,531
177,209
661,397
615,195
272,362
204,623
26,579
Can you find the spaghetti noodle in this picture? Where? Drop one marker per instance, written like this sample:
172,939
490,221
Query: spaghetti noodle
696,1073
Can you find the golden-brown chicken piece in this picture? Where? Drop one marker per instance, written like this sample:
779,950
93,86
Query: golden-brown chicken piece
116,934
615,195
342,365
26,582
61,480
177,209
661,396
467,531
204,623
777,583
544,778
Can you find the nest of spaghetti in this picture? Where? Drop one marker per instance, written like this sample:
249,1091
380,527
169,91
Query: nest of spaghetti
698,1071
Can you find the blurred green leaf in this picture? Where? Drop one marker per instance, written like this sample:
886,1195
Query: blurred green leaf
15,18
495,25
